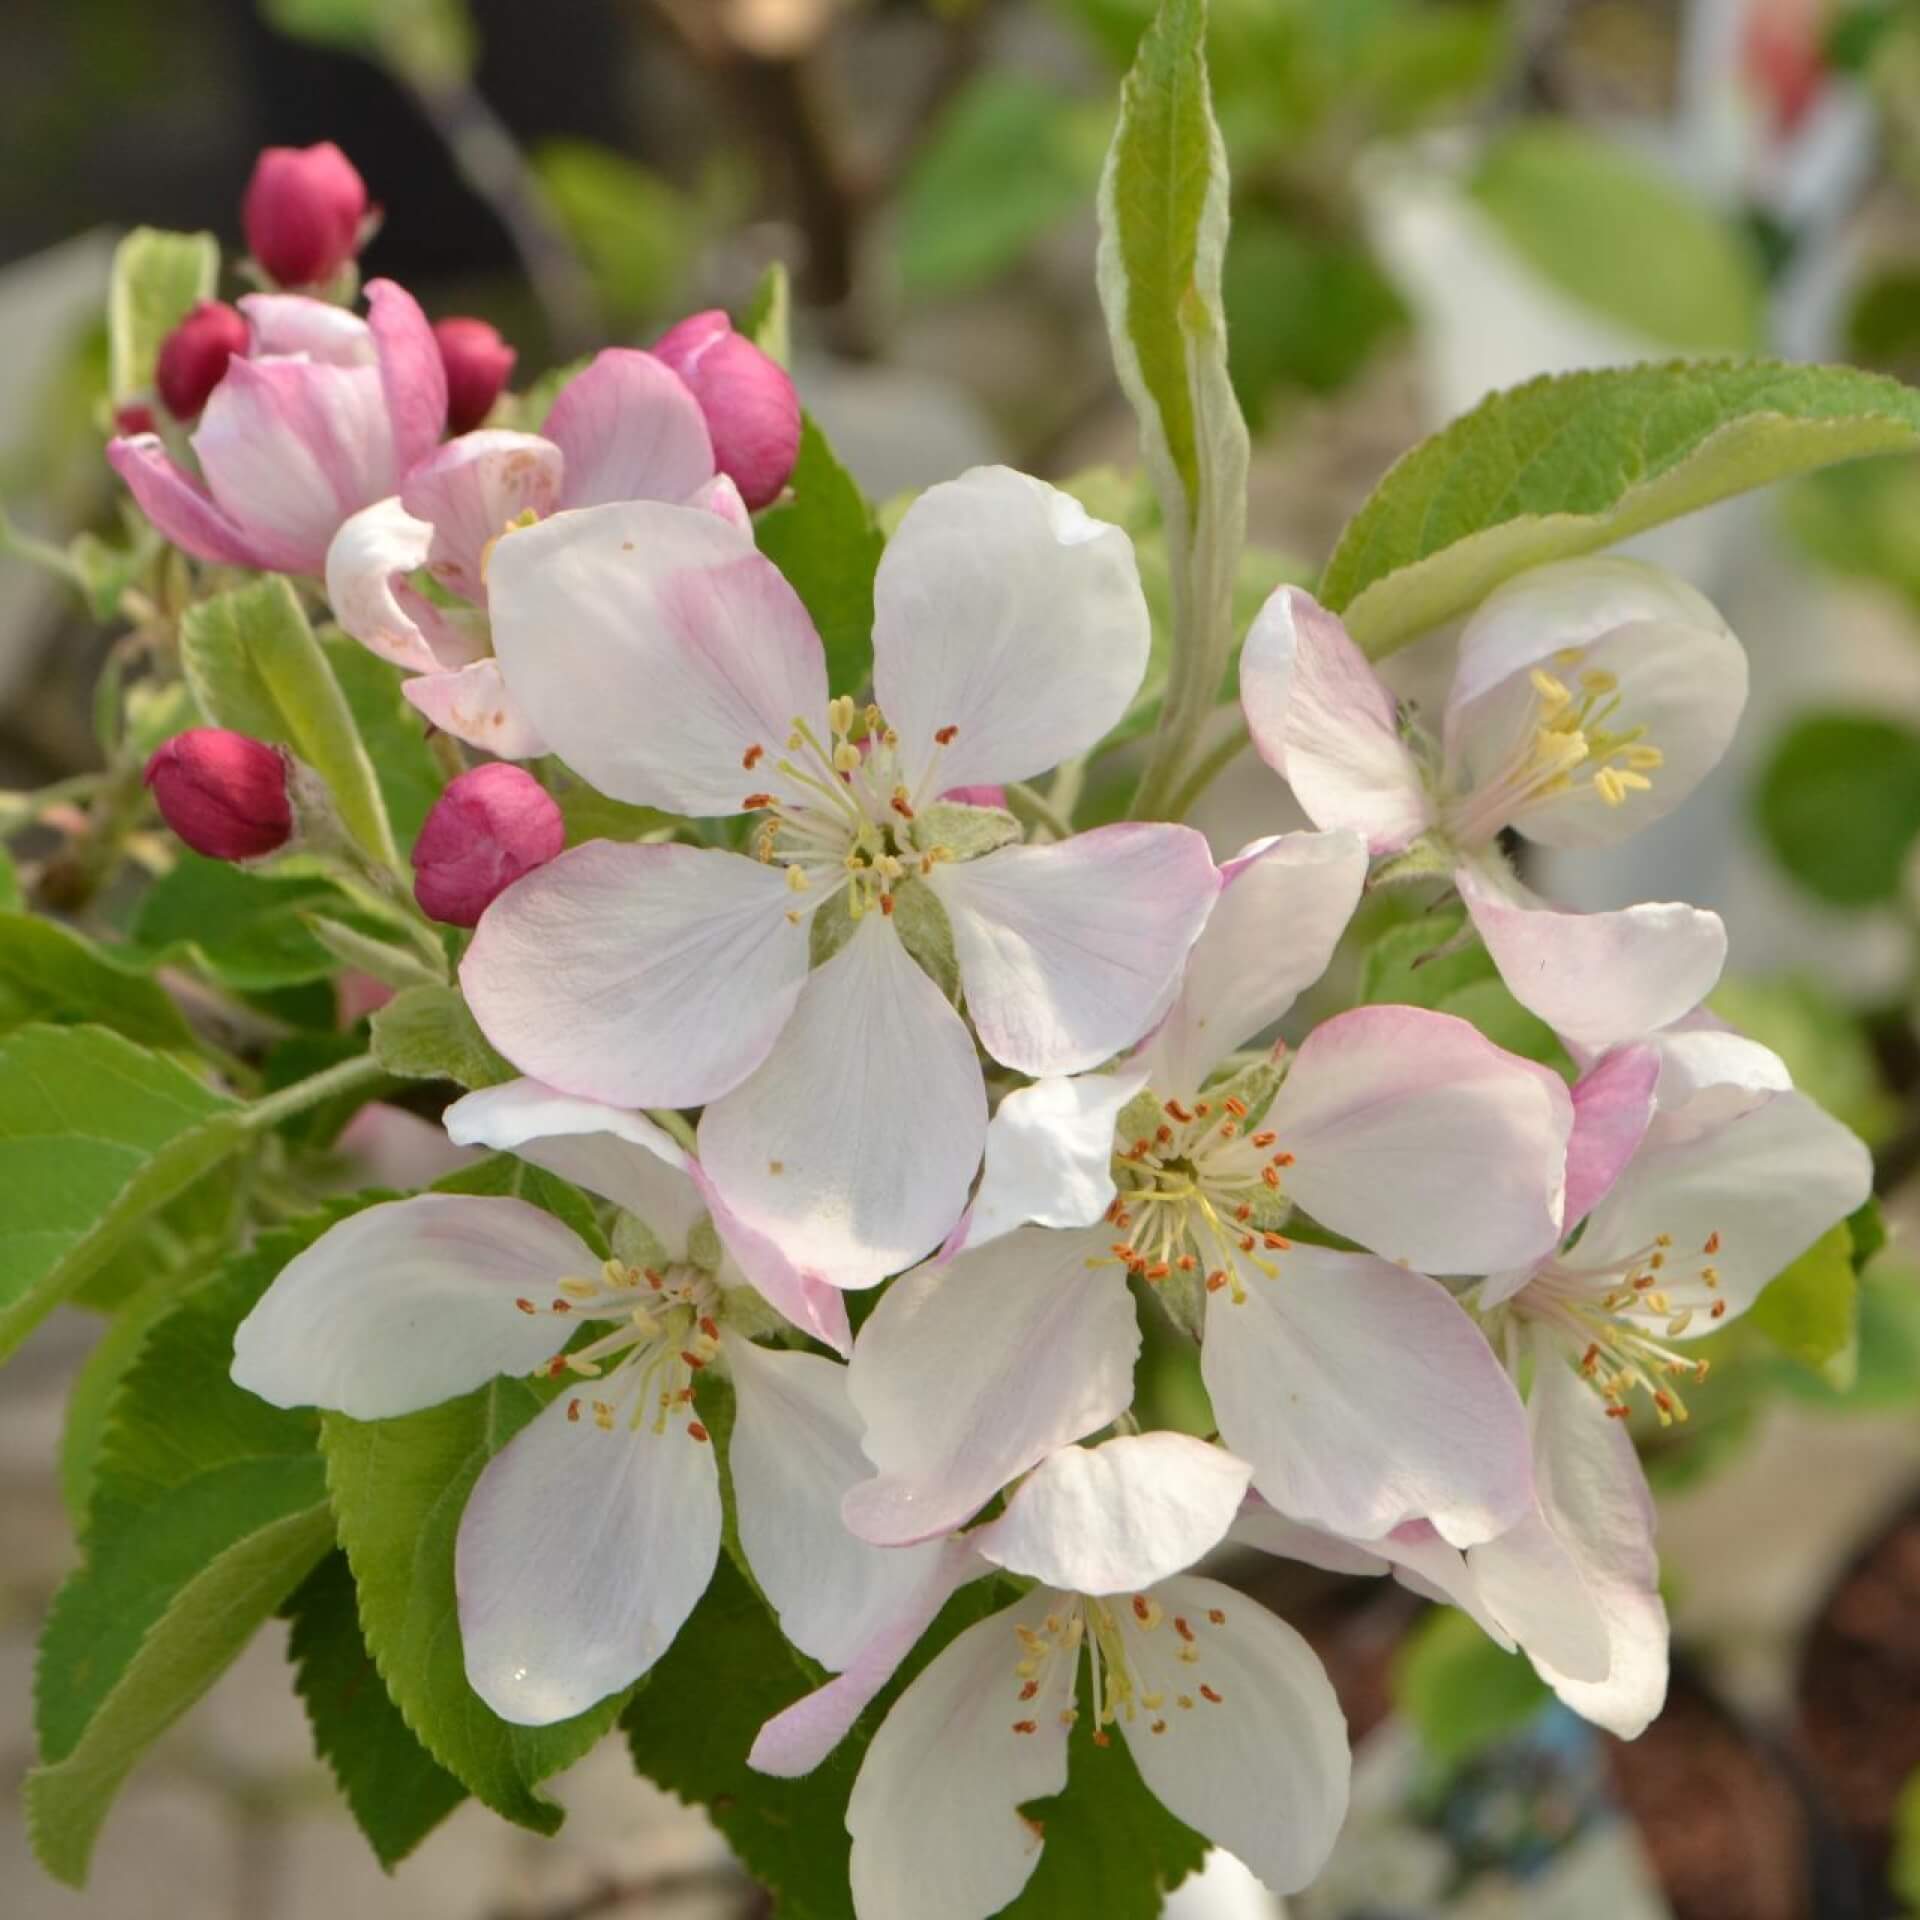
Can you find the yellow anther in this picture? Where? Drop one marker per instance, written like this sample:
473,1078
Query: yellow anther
1552,691
797,881
840,715
1597,680
1645,759
846,757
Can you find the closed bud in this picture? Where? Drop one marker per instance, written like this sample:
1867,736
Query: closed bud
193,357
492,825
478,362
303,213
752,411
224,794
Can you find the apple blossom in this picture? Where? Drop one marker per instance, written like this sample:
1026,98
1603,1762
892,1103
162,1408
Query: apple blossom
670,663
492,825
321,417
1359,1391
751,408
1589,699
223,793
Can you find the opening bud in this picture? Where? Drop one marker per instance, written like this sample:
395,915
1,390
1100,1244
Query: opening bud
224,794
303,213
752,411
478,362
193,357
492,825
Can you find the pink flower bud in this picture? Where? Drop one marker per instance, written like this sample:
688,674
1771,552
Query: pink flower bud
133,418
303,212
193,357
478,362
492,825
223,794
753,413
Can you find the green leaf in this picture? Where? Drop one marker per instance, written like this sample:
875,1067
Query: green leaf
1809,1310
768,319
426,1033
156,279
397,1791
590,815
636,232
397,967
1461,1692
395,732
255,666
1163,234
95,1136
1903,1870
1575,462
12,900
1839,805
1859,521
48,973
429,41
399,1487
97,1386
826,543
1611,229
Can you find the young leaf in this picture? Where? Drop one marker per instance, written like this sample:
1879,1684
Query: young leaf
156,279
1163,235
1574,462
1810,1309
397,1791
395,732
426,1033
1839,804
49,973
255,666
1461,1691
95,1136
768,319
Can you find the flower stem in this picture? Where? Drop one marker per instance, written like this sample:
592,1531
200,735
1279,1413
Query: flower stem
350,1076
1212,764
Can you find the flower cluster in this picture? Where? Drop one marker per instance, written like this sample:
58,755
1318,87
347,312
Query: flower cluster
862,1019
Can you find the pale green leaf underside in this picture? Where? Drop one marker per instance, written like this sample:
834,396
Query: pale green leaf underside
157,277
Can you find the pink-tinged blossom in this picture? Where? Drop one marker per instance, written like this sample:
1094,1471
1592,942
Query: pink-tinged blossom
1359,1391
670,664
478,364
193,360
1225,1710
305,213
589,1538
751,408
319,419
490,827
224,794
1590,698
624,428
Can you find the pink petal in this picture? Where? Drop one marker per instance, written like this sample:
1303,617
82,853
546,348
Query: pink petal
294,324
1612,1108
179,506
630,430
475,704
638,975
413,377
471,491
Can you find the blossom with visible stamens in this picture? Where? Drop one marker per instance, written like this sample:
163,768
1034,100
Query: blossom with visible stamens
1224,1709
590,1536
1401,1128
1590,698
671,664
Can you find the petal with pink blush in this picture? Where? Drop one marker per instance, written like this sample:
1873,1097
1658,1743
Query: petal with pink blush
1363,1397
407,1304
661,656
374,550
580,1555
179,506
1324,721
968,1374
805,1300
630,430
1280,914
1119,1517
471,491
294,323
638,975
1415,1135
1597,979
413,377
721,497
1612,1109
475,704
852,1146
1070,952
1004,616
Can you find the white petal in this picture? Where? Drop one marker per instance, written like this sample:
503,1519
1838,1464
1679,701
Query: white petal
1118,1517
1267,1530
935,1812
1418,1137
1323,720
1003,612
808,1302
471,491
795,1454
621,1156
378,545
476,705
408,1304
294,324
853,1145
579,1557
1709,1076
1280,914
1530,1586
1260,1770
970,1373
655,649
1597,979
638,975
1050,1155
1072,951
1364,1396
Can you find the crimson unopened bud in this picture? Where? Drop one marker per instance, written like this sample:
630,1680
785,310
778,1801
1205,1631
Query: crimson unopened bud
133,418
193,357
491,825
303,212
224,794
752,411
478,362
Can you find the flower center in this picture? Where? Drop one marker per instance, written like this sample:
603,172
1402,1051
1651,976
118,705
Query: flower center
1570,740
1200,1194
1124,1688
665,1331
